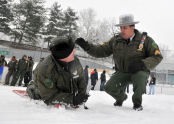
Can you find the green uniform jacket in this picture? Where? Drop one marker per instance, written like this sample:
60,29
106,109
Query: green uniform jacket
30,65
3,62
124,54
12,65
22,65
56,85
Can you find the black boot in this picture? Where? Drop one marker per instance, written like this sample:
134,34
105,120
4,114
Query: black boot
120,103
138,107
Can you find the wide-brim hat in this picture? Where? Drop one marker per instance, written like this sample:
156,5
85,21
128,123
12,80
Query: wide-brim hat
125,20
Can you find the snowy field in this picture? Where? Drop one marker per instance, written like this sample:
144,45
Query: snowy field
158,109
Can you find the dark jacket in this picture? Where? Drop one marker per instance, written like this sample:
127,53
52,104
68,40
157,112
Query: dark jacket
22,65
86,74
103,77
125,54
12,65
94,77
57,83
3,62
152,81
30,65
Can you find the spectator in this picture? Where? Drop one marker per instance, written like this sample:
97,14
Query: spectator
21,70
103,80
86,74
152,85
94,78
12,66
28,74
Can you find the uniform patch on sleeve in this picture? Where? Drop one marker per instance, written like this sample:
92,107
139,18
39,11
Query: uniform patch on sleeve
102,43
154,45
49,83
157,52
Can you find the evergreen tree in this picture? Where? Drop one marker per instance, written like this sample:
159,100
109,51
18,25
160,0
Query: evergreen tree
5,16
29,20
55,22
70,23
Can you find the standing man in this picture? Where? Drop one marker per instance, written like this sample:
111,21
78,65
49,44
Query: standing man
3,63
59,79
134,54
11,69
21,70
152,85
103,80
94,78
86,74
28,74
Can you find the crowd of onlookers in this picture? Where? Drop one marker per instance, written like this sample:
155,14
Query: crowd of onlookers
94,78
18,70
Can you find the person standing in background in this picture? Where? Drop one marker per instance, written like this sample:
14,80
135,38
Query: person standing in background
21,70
28,74
86,74
103,80
94,78
152,85
12,65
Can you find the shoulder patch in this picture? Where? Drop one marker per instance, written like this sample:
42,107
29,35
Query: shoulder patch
49,83
154,45
103,43
157,52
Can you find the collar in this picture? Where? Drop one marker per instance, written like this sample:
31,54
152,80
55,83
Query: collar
132,37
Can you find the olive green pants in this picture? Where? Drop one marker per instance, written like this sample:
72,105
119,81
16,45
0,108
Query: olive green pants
119,80
18,75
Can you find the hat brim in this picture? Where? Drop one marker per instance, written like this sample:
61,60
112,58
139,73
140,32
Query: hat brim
126,24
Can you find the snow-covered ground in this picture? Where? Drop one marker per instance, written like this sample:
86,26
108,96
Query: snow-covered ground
158,109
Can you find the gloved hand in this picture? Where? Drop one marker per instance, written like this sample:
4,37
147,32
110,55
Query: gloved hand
79,99
137,66
82,43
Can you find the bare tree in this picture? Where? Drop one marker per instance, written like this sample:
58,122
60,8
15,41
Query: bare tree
87,23
164,51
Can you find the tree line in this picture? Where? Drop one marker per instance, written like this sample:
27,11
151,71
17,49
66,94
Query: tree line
30,22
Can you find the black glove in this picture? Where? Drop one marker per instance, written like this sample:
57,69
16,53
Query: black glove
137,66
82,43
79,99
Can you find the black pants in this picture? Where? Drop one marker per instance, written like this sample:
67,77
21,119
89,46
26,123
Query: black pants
27,77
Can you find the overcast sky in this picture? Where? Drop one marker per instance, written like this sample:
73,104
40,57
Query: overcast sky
156,16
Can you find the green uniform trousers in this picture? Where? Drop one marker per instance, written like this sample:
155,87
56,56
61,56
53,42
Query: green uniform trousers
119,80
18,75
9,74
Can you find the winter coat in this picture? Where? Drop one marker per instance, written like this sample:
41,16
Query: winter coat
3,62
94,77
152,81
22,65
57,83
103,77
12,65
86,74
30,65
125,54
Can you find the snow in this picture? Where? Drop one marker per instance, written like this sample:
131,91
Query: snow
158,109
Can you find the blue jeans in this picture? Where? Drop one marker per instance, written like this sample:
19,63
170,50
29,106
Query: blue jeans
152,89
102,86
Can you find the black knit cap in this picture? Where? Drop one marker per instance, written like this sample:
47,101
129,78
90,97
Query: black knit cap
61,47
